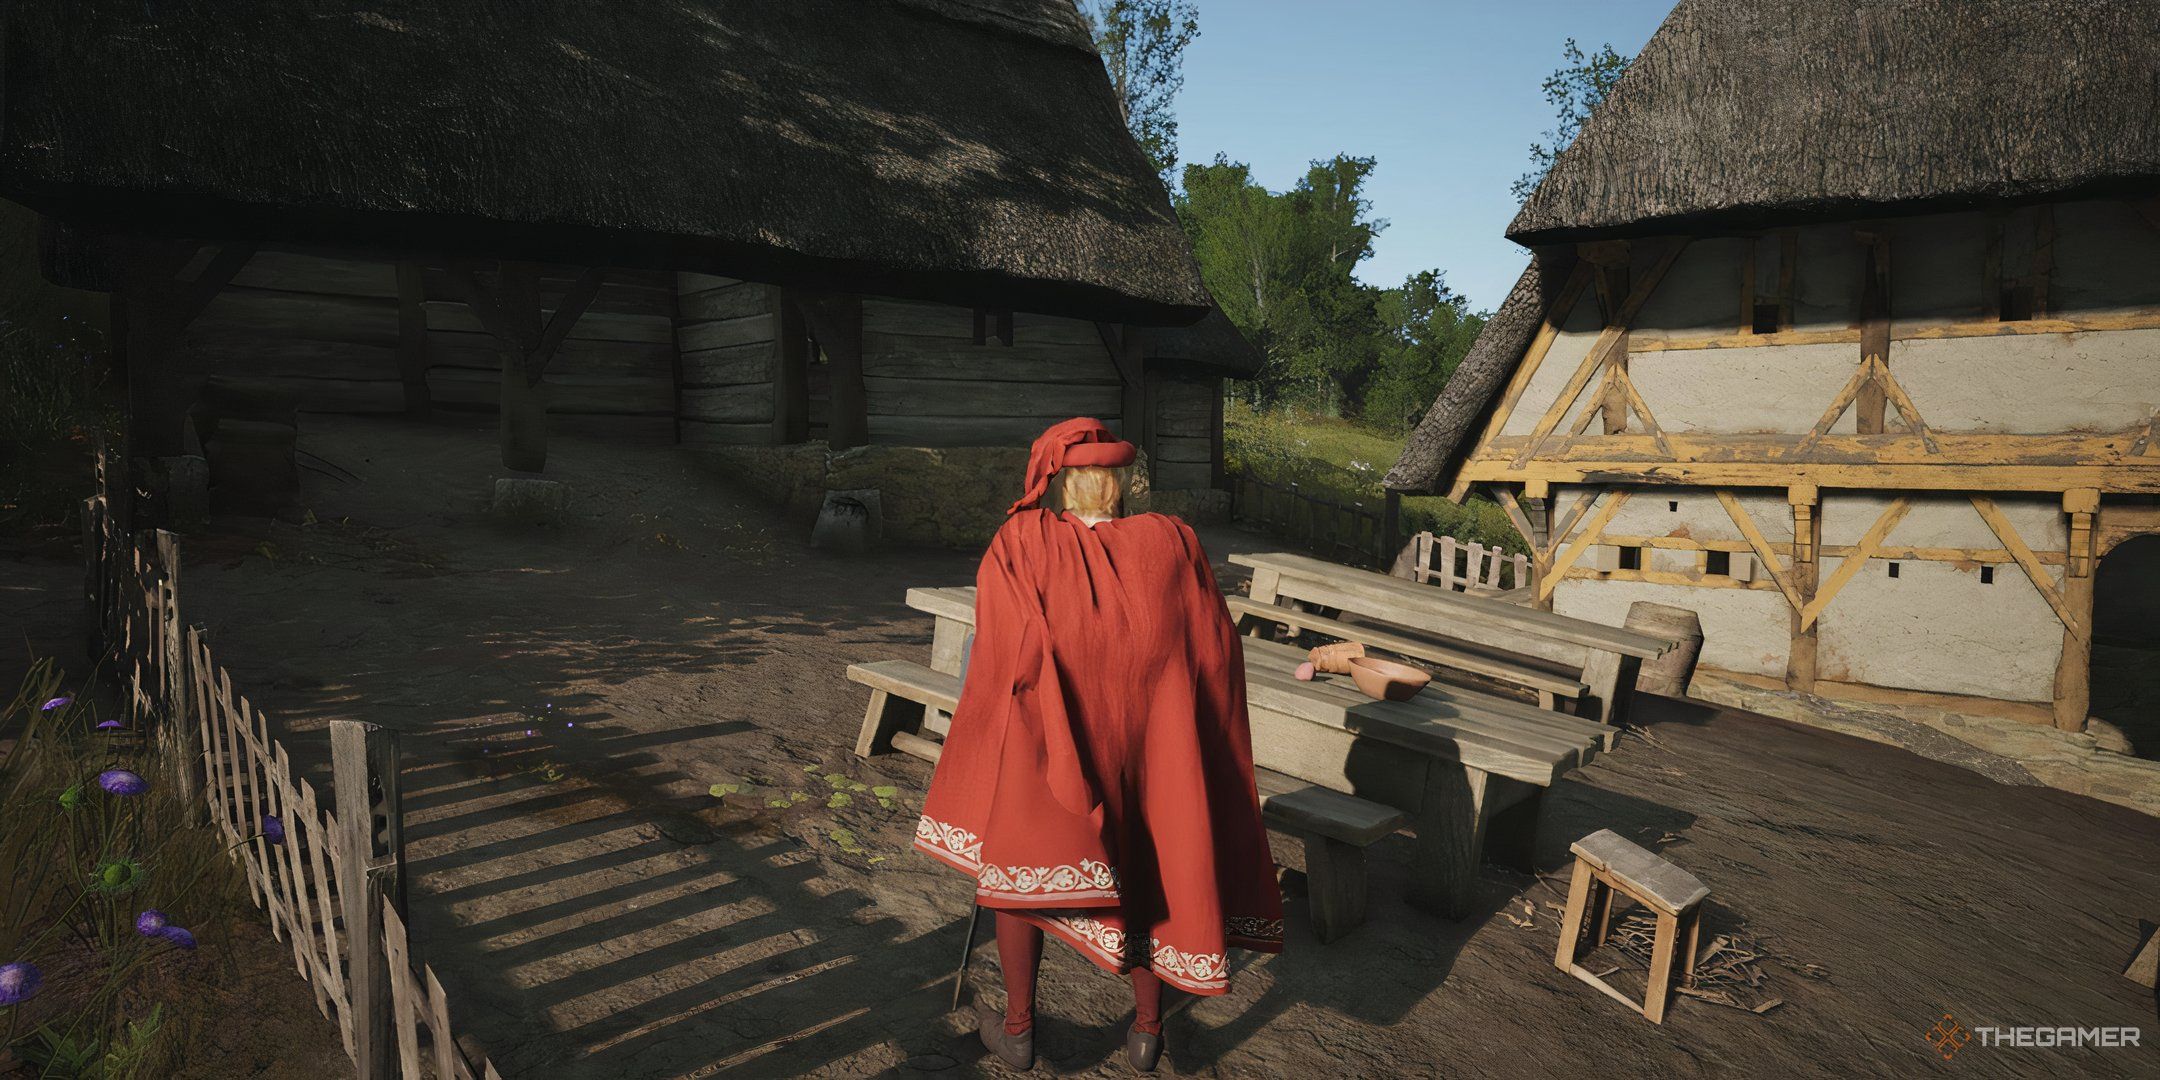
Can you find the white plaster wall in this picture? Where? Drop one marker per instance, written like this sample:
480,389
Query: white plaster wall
2107,257
1699,295
1766,388
1743,630
1578,332
1942,521
1694,513
1826,280
1937,265
2031,384
1935,627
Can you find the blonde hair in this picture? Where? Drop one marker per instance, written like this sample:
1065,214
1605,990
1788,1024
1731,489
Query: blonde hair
1090,491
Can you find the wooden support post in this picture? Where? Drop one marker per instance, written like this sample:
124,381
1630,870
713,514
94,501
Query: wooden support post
791,371
2073,672
412,354
836,322
154,306
1128,354
511,313
1612,285
371,843
1800,662
177,734
1869,403
1391,542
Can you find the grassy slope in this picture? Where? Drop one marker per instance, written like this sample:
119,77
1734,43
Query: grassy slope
1337,456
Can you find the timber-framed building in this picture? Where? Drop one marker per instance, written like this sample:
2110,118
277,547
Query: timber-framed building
1842,329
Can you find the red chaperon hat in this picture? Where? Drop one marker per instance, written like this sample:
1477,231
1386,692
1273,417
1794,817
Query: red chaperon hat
1080,442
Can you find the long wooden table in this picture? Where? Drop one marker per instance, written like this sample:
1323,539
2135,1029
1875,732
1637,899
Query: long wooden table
1607,657
1469,768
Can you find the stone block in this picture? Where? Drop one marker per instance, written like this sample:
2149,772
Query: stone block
522,500
850,522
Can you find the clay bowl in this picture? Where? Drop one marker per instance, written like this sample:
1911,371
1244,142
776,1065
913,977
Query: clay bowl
1386,680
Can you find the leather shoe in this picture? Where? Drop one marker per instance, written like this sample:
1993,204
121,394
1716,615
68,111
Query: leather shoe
1142,1050
1017,1051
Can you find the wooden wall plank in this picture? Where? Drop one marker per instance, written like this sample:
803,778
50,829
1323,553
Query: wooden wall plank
293,315
1182,475
726,302
720,333
1190,449
733,404
243,355
710,433
686,282
968,400
293,271
591,326
918,358
451,348
570,393
731,366
958,430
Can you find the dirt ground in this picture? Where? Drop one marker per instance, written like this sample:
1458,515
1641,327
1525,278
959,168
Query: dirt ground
569,699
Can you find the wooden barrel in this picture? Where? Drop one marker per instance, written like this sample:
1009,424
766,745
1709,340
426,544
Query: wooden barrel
1667,674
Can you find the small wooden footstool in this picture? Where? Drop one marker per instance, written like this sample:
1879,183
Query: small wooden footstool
1605,862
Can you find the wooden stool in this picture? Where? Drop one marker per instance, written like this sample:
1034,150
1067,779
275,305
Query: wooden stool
1603,863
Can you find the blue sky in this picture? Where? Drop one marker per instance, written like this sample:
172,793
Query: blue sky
1445,93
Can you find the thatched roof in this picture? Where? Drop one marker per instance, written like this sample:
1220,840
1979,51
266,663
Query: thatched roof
1743,112
1214,345
963,150
1471,391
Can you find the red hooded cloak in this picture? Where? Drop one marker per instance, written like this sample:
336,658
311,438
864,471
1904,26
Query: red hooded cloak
1097,778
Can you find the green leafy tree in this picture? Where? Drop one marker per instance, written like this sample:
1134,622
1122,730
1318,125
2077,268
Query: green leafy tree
1142,44
1431,327
1574,89
1282,265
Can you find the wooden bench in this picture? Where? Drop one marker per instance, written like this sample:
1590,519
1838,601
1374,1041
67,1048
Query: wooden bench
1606,657
906,699
1552,688
1604,862
1335,829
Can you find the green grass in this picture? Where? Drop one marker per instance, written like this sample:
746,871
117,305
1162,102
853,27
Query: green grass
1342,460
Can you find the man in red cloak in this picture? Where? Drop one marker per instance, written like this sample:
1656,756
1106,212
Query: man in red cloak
1097,779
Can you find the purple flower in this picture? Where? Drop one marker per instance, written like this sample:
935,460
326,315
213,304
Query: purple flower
122,782
56,703
150,923
273,830
19,983
110,725
178,936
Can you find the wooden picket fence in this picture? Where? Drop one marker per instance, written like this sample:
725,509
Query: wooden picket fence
322,883
1452,564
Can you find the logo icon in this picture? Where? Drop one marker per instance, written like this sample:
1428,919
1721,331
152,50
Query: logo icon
1948,1037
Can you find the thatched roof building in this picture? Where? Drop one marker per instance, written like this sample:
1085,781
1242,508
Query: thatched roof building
1745,113
943,149
1740,112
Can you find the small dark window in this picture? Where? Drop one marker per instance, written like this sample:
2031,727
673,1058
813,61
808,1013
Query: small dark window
1767,318
2017,304
1673,506
1631,558
1987,575
1717,562
1893,569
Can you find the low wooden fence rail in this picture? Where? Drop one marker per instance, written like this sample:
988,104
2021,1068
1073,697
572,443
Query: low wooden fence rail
1356,533
332,885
